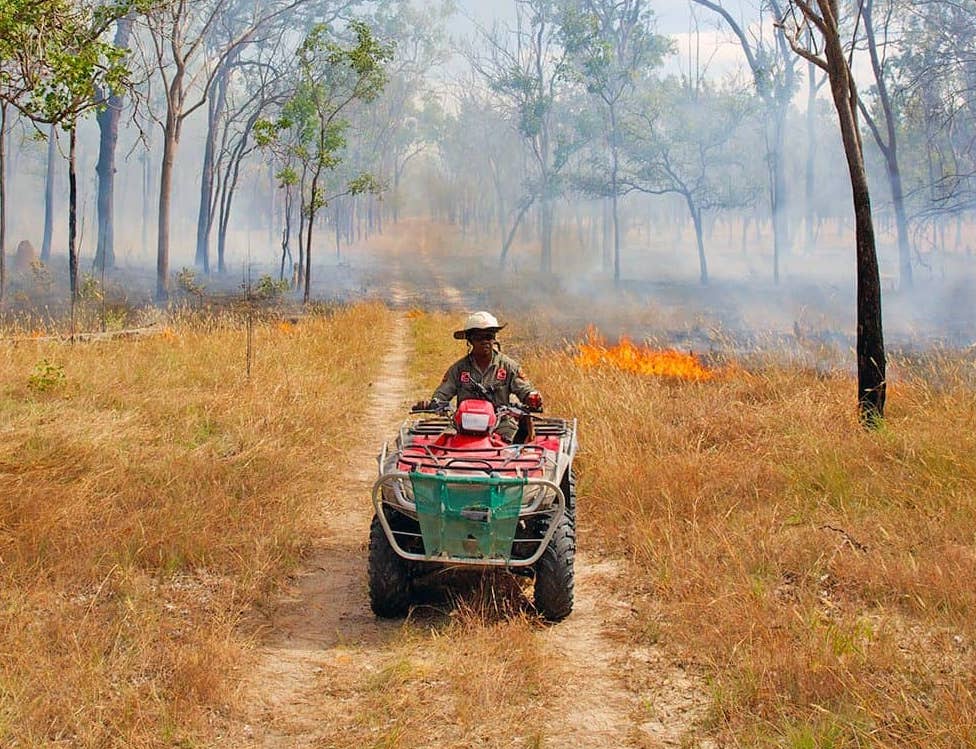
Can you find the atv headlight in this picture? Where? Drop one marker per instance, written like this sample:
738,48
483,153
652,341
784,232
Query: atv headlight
475,422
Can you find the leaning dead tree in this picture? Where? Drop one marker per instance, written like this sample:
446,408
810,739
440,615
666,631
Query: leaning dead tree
813,29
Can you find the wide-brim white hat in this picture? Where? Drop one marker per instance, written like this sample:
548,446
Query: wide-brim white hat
478,321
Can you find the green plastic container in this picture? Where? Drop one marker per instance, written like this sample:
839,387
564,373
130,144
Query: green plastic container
468,517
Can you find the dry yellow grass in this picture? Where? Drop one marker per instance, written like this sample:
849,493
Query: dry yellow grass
475,678
819,575
434,349
150,495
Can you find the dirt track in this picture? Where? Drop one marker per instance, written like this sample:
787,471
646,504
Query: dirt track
309,685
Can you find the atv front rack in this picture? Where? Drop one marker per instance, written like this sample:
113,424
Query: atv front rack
468,519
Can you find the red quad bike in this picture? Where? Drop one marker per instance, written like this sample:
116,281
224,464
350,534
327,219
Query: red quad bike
451,492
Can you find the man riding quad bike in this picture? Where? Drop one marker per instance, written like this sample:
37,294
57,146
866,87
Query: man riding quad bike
489,484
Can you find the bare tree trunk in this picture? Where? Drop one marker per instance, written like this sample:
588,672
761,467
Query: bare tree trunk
272,204
889,148
73,210
312,209
3,198
215,109
285,231
165,190
696,219
607,224
778,198
614,170
228,189
108,123
545,228
52,160
108,126
871,383
308,245
146,203
811,167
396,190
526,204
338,229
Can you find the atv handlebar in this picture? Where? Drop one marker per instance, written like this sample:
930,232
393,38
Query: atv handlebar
431,407
520,410
443,409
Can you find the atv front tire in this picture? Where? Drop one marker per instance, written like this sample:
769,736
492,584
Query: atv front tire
554,576
389,576
568,487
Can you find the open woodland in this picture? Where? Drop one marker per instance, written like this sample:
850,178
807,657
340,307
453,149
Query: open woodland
235,239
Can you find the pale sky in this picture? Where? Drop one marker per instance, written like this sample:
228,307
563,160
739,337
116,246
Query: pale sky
713,45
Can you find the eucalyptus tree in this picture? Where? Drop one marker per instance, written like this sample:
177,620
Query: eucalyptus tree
49,177
332,77
611,45
478,145
190,43
527,69
420,125
404,119
251,70
813,28
108,118
815,80
937,77
283,144
882,121
773,70
56,67
259,86
4,109
476,149
682,140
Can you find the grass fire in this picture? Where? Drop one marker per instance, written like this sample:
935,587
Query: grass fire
642,360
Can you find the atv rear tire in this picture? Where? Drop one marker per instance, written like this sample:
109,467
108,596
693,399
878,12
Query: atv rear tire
554,577
389,576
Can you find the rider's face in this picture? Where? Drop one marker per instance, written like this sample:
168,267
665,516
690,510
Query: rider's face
482,343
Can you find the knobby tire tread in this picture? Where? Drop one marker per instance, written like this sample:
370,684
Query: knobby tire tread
389,576
554,574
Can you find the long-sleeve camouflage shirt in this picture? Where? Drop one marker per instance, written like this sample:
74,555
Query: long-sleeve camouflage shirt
502,378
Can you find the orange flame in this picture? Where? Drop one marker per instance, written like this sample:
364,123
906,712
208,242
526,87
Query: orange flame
286,326
630,357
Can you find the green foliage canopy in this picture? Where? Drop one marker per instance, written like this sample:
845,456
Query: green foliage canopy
55,64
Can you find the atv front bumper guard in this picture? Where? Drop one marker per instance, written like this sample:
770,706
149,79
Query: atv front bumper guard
547,499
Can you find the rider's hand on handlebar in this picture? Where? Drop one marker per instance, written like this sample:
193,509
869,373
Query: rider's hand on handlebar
534,400
431,406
